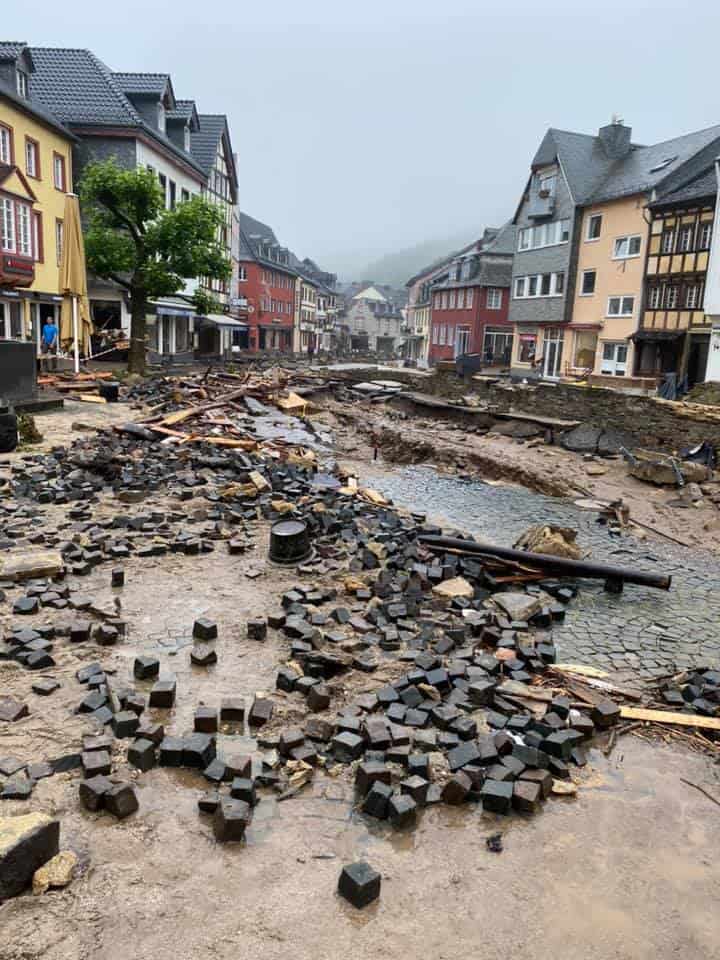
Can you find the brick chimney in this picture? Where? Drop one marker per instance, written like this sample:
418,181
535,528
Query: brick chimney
615,138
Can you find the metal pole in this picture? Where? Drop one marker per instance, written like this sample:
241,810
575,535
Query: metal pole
76,345
559,566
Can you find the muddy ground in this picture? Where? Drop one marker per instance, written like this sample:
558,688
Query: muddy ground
625,869
538,466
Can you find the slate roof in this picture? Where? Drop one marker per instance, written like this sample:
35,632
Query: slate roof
79,89
593,176
504,241
11,49
184,110
700,188
34,109
143,84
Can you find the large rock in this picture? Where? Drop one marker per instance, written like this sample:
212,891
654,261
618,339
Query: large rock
518,606
57,872
31,564
26,843
553,541
457,587
582,439
611,441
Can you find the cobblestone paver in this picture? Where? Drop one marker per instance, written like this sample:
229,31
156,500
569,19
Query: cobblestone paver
642,631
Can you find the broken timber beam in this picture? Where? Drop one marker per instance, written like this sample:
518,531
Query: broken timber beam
558,566
667,716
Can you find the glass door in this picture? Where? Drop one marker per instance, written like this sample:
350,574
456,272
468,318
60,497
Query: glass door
614,361
462,341
552,353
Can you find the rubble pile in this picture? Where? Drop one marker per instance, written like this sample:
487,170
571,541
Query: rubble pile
462,643
697,692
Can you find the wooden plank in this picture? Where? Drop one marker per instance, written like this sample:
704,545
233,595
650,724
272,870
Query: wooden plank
179,416
581,669
667,716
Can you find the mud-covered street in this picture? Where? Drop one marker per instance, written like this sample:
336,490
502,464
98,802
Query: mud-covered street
621,867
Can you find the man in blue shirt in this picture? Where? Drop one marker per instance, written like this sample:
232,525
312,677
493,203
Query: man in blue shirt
49,340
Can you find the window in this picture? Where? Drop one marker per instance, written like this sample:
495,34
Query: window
614,359
38,236
6,144
544,235
444,302
497,346
540,285
21,81
59,172
465,270
451,298
7,224
672,295
59,239
242,274
548,184
585,345
435,334
587,287
693,296
654,296
705,236
620,306
594,226
685,239
668,241
626,247
24,230
162,180
494,298
528,343
172,195
468,299
461,299
184,195
32,158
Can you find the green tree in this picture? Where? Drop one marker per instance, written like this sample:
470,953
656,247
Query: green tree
132,239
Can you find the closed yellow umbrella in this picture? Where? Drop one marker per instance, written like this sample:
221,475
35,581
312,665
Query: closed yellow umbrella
75,324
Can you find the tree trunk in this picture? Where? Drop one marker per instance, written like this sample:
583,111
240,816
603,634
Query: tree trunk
138,325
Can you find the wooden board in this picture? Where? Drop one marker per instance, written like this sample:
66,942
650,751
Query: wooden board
179,416
667,716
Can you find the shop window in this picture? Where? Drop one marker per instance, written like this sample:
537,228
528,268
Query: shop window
585,346
528,346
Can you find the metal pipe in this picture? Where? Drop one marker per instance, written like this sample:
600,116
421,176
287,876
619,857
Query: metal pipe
560,566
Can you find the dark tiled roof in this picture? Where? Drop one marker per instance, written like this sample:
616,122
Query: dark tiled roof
593,176
204,144
185,110
504,241
78,88
34,109
11,49
252,227
144,84
700,188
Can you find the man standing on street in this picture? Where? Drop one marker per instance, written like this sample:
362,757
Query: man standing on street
49,341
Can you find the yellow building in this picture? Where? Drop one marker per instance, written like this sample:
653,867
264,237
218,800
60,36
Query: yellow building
35,175
608,289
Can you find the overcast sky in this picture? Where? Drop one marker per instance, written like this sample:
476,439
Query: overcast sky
369,126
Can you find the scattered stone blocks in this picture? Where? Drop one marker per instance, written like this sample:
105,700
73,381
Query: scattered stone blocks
359,884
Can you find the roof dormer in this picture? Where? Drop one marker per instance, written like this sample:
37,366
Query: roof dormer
16,66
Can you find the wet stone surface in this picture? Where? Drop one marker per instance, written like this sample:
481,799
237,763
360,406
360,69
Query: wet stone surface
641,631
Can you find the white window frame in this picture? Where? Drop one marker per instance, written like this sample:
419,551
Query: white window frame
671,296
582,283
23,214
621,304
535,281
31,151
441,338
654,296
242,274
685,239
494,298
21,83
551,235
611,366
9,245
6,144
452,300
627,241
665,247
550,178
461,299
588,227
59,239
469,298
59,165
705,236
692,302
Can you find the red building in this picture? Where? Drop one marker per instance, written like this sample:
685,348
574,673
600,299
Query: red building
267,281
470,301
